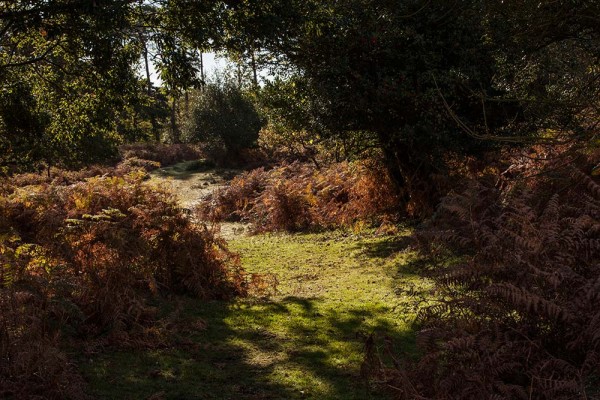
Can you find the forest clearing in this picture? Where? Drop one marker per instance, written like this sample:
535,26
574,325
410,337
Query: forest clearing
299,199
304,341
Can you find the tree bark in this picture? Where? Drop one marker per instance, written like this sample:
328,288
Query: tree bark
187,102
174,128
147,65
155,130
202,71
411,172
254,72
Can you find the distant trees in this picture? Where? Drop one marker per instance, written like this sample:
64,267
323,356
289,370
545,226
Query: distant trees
223,115
70,61
75,62
426,78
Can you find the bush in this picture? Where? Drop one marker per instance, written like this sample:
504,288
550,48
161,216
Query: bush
82,261
224,116
518,314
57,176
164,154
296,197
31,363
132,163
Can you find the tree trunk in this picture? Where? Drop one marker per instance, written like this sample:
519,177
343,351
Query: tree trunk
134,120
392,164
202,71
412,174
147,65
174,128
187,103
155,130
150,93
254,73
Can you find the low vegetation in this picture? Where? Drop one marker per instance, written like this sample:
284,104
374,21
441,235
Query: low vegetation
301,197
162,154
519,319
81,262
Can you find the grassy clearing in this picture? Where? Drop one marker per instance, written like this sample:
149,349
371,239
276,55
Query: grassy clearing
303,343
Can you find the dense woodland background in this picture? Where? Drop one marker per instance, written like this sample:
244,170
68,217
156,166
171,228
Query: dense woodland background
474,121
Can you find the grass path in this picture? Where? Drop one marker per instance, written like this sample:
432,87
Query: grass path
305,342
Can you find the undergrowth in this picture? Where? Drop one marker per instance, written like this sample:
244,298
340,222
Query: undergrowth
300,197
80,263
518,316
132,158
164,154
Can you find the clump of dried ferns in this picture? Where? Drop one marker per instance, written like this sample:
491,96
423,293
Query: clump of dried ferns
518,309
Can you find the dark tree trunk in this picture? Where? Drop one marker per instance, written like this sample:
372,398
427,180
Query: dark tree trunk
187,102
254,72
202,71
153,122
413,174
147,65
174,128
391,161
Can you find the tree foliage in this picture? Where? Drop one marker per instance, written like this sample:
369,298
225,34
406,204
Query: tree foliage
72,60
432,77
424,77
223,114
77,63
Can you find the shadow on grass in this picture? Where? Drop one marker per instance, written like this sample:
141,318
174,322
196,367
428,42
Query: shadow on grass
296,348
415,265
384,248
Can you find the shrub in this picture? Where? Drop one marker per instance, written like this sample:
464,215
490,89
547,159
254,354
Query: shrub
82,261
298,196
56,176
517,315
31,362
223,115
165,154
234,202
134,157
138,163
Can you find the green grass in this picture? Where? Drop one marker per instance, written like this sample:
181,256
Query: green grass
306,342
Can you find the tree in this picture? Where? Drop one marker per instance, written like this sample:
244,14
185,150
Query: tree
548,60
224,115
430,78
79,59
388,68
177,66
295,125
73,60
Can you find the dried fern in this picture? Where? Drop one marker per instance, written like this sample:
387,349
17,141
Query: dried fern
519,317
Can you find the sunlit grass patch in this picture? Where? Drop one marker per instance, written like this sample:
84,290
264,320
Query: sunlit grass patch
306,342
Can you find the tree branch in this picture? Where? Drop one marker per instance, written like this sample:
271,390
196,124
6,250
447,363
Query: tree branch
31,60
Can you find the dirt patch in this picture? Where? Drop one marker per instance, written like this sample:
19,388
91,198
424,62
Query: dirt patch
190,181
